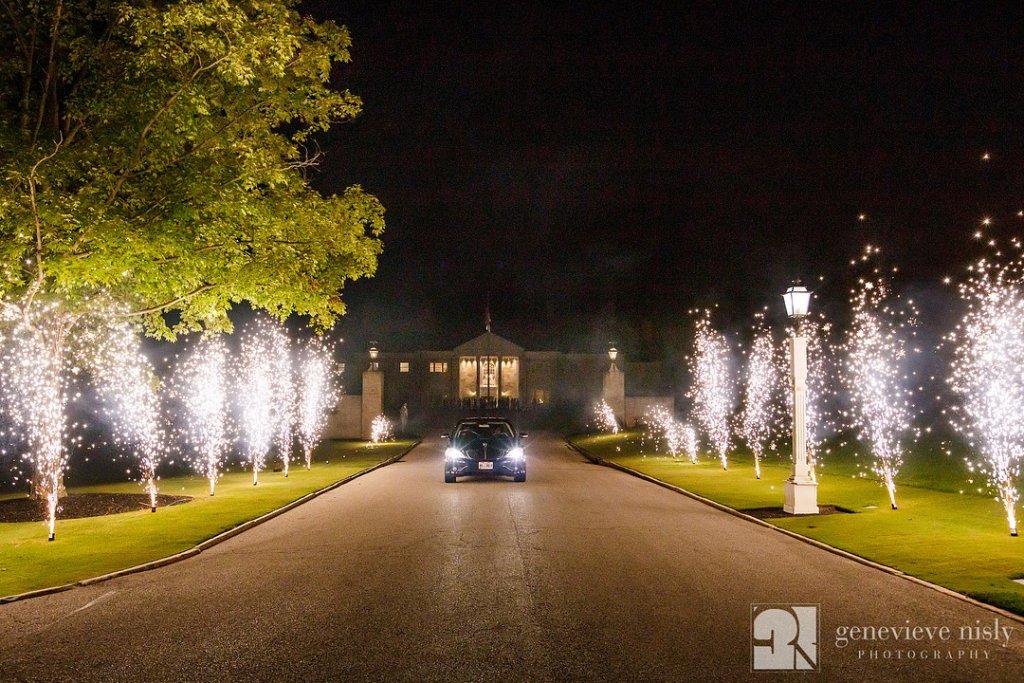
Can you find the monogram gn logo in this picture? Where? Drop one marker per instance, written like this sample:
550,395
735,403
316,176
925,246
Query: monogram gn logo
784,637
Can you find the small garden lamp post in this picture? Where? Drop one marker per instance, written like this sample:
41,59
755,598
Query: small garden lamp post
613,352
801,489
374,352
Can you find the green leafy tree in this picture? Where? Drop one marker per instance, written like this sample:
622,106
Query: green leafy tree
155,158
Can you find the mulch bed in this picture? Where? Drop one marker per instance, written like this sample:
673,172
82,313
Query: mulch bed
778,513
83,505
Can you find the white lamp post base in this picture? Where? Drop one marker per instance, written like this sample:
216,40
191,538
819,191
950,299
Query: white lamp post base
801,497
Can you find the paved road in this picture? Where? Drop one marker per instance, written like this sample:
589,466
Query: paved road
580,574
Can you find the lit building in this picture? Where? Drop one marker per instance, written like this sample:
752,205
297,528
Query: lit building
491,371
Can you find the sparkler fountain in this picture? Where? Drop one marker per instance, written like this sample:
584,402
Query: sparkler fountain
255,394
712,389
876,347
201,385
36,392
282,394
126,382
761,415
604,416
661,425
317,394
381,430
689,436
988,369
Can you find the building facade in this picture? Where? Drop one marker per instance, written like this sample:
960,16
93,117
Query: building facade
492,371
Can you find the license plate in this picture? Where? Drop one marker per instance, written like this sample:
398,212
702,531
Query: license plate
485,465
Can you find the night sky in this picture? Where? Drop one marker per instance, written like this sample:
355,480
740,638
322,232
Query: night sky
599,170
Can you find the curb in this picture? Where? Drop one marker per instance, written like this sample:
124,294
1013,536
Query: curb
792,534
210,542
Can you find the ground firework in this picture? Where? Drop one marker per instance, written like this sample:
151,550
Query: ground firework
761,419
878,380
201,387
255,394
129,388
712,389
36,393
283,404
604,416
988,369
381,430
317,394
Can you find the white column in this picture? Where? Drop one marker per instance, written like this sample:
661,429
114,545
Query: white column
801,489
613,391
372,399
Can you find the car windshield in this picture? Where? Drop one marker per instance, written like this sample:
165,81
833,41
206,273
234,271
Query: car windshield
483,430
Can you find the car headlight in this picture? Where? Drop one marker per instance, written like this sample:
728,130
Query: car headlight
453,454
516,453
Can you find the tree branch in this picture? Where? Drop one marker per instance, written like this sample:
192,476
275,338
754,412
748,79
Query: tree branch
164,306
137,152
40,276
49,69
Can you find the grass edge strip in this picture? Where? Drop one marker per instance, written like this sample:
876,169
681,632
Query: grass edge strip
792,534
208,543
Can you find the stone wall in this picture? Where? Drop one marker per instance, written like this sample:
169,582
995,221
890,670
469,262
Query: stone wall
345,421
636,406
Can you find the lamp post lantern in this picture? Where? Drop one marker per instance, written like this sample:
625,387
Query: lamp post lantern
801,489
374,352
613,353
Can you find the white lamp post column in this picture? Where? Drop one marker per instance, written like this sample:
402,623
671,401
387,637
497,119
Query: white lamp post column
801,489
613,389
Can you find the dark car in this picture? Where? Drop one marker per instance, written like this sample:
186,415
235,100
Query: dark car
484,445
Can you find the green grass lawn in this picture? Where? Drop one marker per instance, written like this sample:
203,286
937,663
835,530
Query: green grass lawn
957,540
97,545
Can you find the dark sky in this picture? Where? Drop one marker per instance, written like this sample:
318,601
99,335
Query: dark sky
600,169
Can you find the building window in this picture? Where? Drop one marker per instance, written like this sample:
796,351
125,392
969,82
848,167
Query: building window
438,366
489,372
403,366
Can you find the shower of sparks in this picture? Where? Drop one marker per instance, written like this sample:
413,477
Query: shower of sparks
761,420
604,417
661,426
689,436
283,404
318,394
988,369
36,392
381,430
712,391
255,393
201,387
129,388
877,377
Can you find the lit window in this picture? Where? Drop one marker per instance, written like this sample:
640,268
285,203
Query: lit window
489,372
403,366
438,366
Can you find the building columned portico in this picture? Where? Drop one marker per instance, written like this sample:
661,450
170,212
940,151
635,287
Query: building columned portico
490,371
